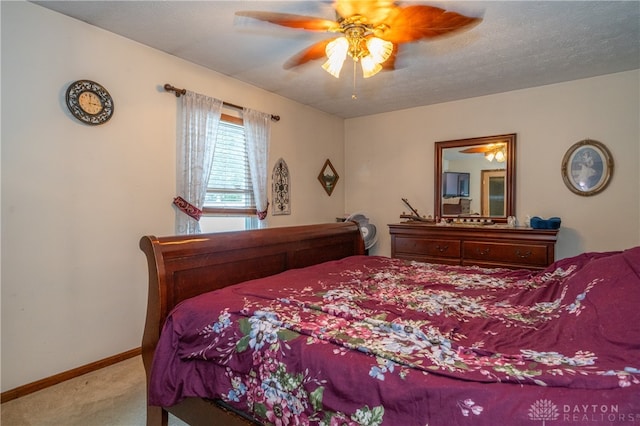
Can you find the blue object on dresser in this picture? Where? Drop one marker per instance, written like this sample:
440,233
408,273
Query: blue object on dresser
539,223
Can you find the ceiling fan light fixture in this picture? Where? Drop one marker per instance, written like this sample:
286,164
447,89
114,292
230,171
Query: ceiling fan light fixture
379,49
369,66
336,53
497,154
370,54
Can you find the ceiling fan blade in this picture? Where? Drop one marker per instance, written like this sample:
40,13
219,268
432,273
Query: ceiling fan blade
315,51
376,11
475,150
292,21
483,148
414,23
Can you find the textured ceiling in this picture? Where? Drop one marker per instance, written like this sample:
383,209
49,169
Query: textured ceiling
519,44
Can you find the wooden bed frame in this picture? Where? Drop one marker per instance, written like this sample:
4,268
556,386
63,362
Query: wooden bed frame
181,267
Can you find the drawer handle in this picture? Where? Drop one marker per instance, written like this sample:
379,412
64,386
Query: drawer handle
442,249
483,252
523,255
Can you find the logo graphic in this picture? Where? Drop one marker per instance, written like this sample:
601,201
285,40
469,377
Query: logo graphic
544,410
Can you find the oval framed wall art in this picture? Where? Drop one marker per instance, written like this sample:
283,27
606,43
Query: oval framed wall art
587,167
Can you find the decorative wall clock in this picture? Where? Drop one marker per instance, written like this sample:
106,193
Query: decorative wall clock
89,102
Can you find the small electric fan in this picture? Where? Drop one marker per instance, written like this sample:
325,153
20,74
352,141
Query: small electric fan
368,230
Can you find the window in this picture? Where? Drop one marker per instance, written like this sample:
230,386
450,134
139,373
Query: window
229,202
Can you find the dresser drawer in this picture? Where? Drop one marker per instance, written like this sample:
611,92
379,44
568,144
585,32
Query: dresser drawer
486,246
520,254
428,248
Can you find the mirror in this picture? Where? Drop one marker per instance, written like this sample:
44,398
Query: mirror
475,178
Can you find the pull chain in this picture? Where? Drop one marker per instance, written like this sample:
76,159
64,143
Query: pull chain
353,94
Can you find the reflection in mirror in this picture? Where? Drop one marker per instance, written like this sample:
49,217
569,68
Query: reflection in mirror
475,178
492,192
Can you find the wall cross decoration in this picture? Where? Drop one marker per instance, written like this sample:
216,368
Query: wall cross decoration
281,189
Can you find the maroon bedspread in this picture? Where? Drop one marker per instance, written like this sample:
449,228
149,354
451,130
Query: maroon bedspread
379,341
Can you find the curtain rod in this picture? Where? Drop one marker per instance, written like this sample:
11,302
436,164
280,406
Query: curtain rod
180,92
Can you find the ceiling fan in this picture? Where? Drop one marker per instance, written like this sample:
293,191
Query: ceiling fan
491,151
371,32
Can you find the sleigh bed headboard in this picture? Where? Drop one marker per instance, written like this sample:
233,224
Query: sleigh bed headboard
185,266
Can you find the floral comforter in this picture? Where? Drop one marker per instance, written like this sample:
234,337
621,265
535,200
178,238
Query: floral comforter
380,341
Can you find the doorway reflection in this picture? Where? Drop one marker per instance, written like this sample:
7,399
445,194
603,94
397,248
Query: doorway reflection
492,193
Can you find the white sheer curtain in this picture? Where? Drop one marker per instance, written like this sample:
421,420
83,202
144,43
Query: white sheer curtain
200,117
257,127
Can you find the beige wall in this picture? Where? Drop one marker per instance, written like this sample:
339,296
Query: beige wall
390,157
76,199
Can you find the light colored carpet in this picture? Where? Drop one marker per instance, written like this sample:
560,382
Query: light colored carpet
112,396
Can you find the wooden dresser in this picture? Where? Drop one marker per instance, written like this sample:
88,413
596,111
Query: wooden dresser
488,245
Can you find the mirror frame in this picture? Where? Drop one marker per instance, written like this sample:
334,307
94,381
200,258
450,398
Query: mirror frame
510,178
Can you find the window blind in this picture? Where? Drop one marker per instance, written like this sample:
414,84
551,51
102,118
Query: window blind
230,190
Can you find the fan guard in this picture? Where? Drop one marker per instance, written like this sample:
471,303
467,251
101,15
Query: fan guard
367,230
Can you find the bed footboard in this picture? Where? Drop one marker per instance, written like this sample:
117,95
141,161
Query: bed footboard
181,267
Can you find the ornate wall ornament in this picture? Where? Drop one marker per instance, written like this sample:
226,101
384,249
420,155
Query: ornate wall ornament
281,188
328,177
